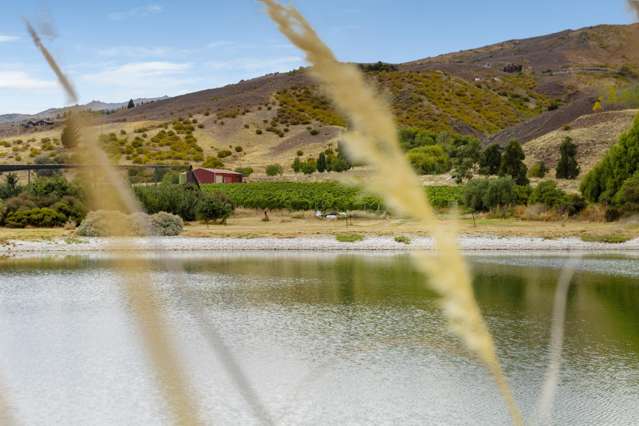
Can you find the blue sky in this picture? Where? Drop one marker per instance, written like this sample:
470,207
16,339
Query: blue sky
115,50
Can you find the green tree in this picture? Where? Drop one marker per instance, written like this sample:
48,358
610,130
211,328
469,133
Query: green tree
309,166
274,170
512,163
297,165
213,206
567,167
628,196
490,160
10,187
464,154
321,163
621,162
131,104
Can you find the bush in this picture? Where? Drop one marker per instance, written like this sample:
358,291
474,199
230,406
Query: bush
104,223
402,239
37,217
538,170
213,163
548,194
429,160
488,194
274,170
245,171
72,208
224,153
349,238
166,224
214,206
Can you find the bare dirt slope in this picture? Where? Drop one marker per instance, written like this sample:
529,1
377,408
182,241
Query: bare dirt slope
593,134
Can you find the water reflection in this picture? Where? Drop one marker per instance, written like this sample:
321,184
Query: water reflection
326,338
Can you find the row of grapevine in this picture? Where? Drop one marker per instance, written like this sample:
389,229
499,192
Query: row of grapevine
323,196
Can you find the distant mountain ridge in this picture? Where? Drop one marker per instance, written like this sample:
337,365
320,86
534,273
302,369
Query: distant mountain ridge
91,106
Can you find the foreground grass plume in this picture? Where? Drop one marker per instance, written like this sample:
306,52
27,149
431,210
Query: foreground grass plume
114,194
374,140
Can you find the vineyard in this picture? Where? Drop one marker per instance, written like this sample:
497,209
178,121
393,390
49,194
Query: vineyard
319,196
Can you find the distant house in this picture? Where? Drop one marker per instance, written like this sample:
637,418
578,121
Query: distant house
205,176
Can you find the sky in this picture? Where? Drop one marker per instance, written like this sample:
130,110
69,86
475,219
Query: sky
116,50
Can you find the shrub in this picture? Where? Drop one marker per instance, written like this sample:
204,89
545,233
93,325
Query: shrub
70,134
166,224
214,206
258,132
429,160
567,167
213,163
538,170
297,165
402,239
512,163
245,171
488,194
274,170
548,194
349,238
224,153
410,138
72,208
104,223
54,187
37,217
239,149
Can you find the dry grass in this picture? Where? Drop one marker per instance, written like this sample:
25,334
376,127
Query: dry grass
374,139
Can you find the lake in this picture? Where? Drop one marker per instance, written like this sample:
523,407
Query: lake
324,338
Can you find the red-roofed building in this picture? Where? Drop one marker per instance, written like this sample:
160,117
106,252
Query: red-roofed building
205,176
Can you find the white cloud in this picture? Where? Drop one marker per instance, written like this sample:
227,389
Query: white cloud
137,76
8,38
134,51
20,80
147,10
253,64
221,43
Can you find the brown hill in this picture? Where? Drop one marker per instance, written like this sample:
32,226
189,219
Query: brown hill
518,89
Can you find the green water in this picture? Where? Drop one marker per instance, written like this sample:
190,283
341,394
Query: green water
323,339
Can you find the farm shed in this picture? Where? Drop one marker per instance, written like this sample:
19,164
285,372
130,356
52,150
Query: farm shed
205,176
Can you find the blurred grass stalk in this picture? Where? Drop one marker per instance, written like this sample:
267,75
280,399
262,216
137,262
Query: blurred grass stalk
373,139
115,195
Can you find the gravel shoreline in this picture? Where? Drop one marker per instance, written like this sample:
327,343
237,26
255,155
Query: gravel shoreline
310,244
